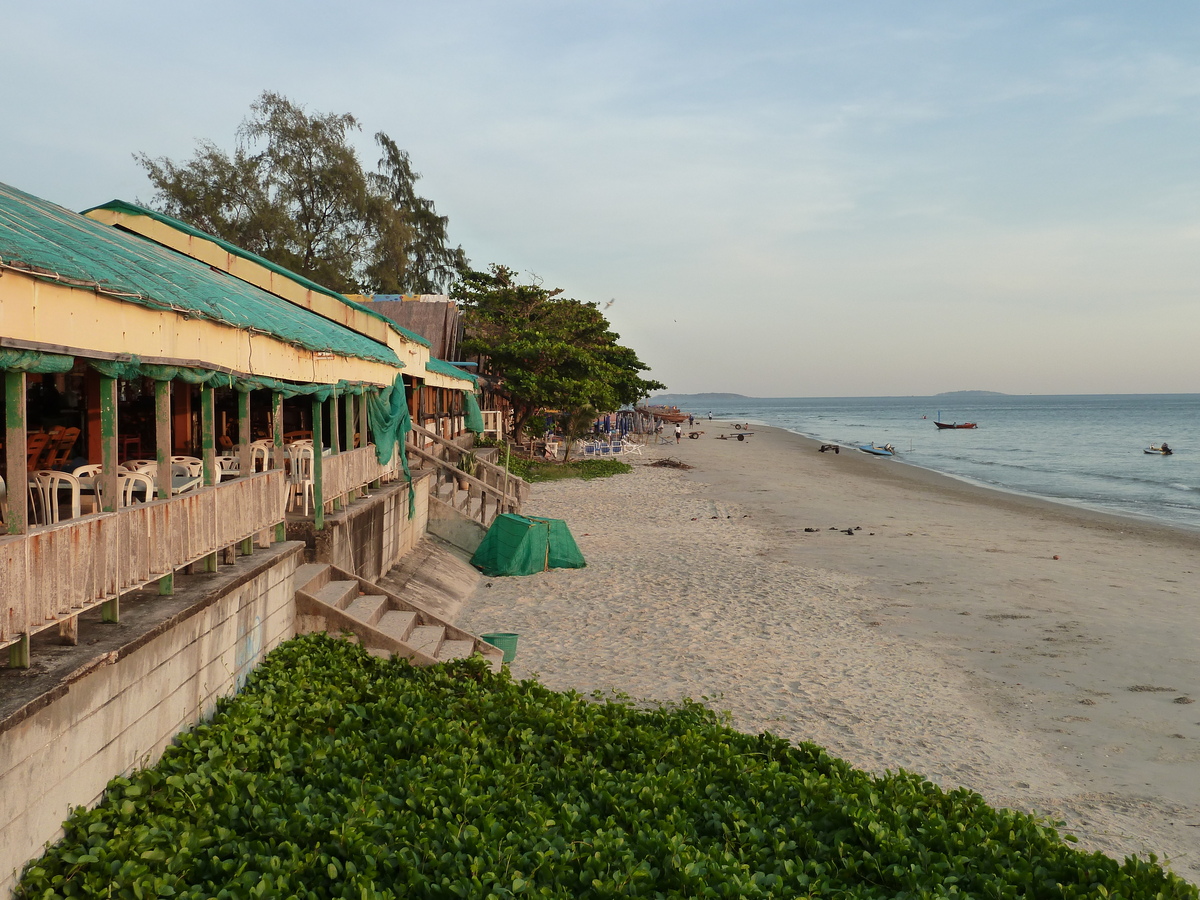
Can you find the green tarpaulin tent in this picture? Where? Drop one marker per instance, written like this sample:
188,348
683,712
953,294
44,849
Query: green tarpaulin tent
521,545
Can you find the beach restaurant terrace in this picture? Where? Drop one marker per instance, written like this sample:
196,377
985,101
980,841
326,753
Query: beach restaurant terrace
167,396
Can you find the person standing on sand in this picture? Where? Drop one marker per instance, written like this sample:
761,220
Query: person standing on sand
678,431
691,421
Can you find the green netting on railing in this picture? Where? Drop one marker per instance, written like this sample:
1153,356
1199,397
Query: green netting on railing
474,414
387,413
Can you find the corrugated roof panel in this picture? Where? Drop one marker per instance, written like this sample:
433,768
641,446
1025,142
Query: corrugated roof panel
133,209
54,243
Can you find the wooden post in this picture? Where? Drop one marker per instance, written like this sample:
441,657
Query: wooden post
208,435
348,412
162,437
110,501
208,449
334,437
318,490
244,436
17,519
276,461
277,450
110,611
18,653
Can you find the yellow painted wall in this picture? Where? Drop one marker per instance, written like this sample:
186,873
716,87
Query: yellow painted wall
59,316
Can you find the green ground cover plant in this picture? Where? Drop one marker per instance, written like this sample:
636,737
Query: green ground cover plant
336,774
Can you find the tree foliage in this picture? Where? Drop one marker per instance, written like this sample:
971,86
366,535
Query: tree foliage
547,351
294,192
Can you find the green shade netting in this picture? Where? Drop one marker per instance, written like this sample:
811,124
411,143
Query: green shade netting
387,414
522,545
474,415
35,362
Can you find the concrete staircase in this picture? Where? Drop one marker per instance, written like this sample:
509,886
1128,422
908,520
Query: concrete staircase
385,622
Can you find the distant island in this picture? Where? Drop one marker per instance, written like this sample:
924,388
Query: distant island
971,394
661,399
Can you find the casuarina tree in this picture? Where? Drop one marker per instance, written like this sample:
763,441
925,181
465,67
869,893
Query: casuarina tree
294,192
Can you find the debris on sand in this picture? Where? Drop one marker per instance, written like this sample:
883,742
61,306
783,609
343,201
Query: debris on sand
669,462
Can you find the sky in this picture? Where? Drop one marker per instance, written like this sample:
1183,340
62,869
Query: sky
777,199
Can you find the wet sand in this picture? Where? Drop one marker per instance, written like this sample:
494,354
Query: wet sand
941,635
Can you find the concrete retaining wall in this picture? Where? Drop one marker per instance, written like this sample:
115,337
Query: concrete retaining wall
120,711
369,537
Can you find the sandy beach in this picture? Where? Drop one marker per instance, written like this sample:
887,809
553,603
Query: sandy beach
1043,656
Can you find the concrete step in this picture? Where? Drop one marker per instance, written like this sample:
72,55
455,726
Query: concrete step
397,623
311,577
368,607
337,594
456,650
426,638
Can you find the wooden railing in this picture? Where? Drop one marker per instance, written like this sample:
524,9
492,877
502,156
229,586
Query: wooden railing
490,491
354,469
53,574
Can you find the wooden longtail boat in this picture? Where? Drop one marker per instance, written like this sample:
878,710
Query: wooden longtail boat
955,425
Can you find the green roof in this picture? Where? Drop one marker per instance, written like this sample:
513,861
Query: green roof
135,210
444,368
47,241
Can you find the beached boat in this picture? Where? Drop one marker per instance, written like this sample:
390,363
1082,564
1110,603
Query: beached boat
885,450
666,413
1158,451
955,425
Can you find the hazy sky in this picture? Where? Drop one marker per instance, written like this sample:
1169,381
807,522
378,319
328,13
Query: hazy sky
783,198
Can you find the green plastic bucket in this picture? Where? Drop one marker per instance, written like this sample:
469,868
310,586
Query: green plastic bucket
506,641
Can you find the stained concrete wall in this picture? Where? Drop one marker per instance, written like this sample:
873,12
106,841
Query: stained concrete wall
120,711
368,538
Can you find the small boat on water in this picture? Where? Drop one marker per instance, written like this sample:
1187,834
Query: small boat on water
885,450
1163,450
955,425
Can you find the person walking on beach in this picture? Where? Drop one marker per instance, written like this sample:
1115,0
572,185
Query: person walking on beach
691,421
678,431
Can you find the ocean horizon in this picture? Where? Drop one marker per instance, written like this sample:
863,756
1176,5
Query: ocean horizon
1078,449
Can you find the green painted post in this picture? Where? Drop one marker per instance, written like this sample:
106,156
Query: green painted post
277,451
108,444
208,435
15,453
318,489
18,653
110,611
334,437
348,414
162,437
244,435
208,449
162,456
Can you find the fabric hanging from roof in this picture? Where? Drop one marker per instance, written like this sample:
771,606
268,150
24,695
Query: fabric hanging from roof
35,362
474,417
387,414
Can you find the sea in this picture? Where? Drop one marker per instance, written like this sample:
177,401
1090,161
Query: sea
1084,450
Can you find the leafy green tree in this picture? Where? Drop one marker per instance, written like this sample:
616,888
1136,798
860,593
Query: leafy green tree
293,191
547,351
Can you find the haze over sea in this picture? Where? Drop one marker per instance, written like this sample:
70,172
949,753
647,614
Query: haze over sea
1084,450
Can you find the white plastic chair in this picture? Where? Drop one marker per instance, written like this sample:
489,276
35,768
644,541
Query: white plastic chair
230,466
141,465
194,465
633,448
300,476
44,486
133,483
260,451
90,478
